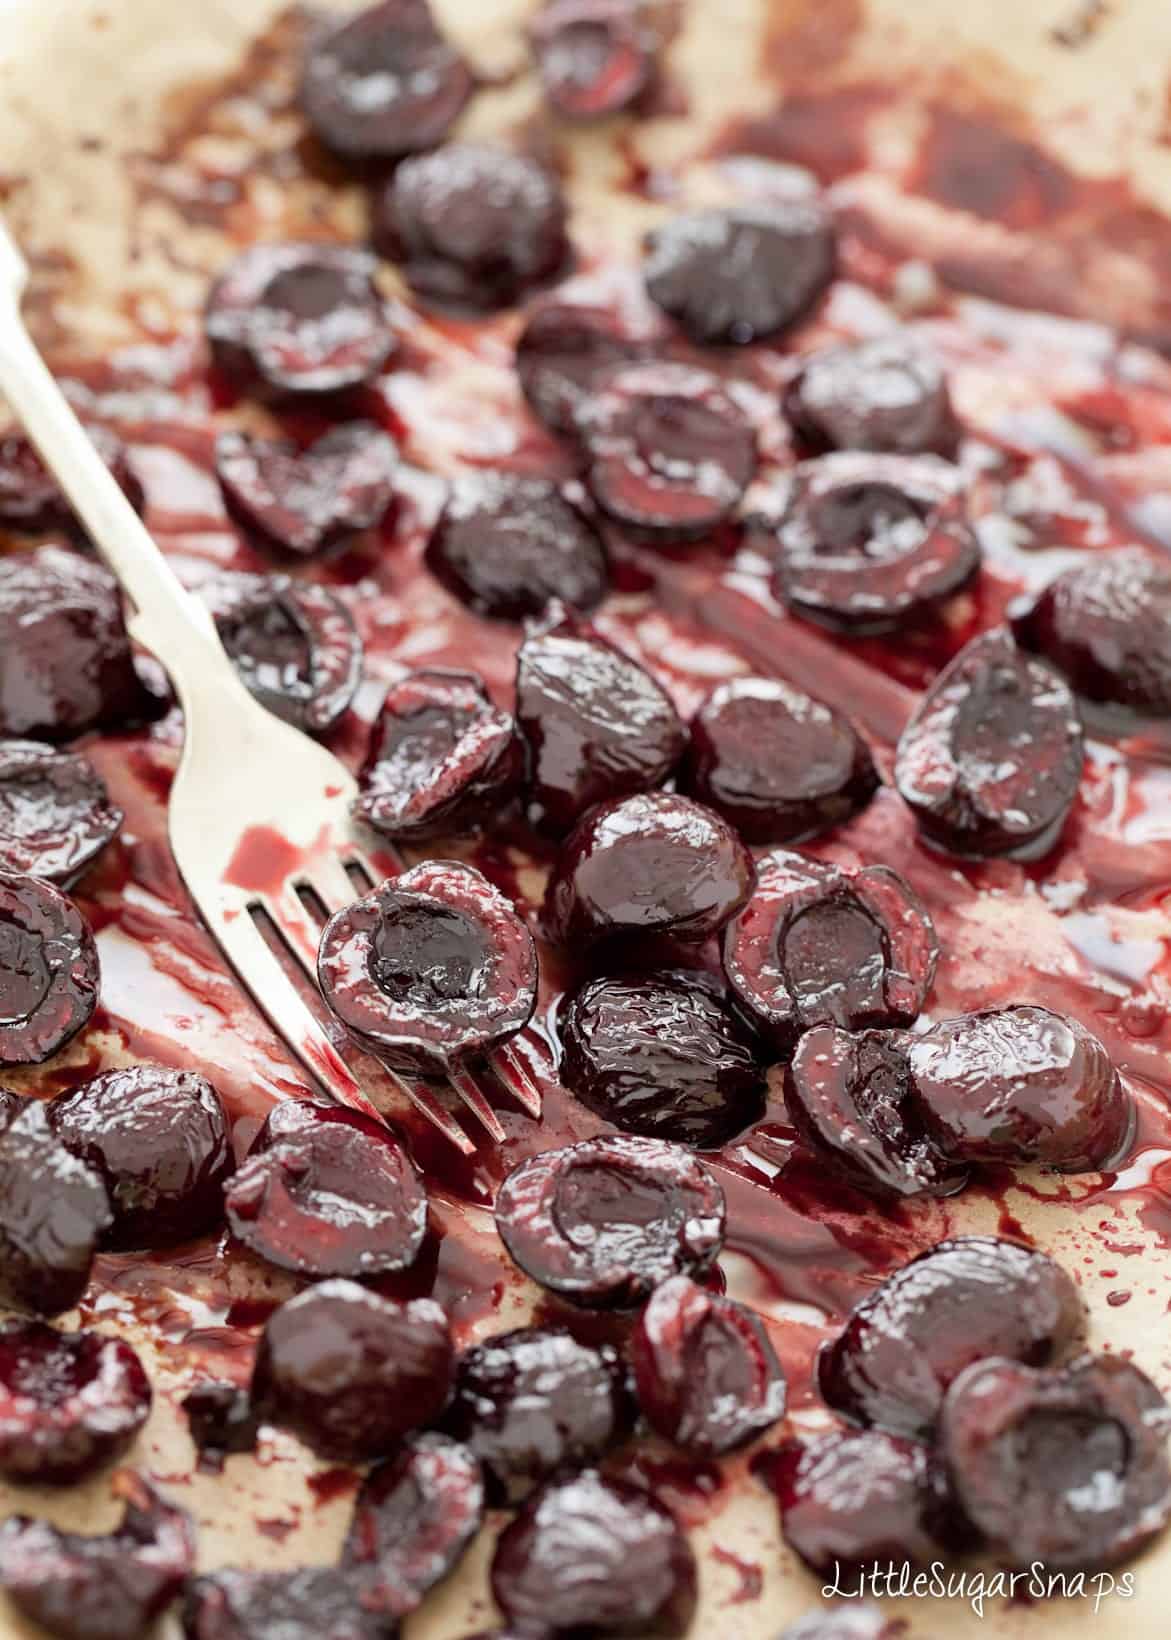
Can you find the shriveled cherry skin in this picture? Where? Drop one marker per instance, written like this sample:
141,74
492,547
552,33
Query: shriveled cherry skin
707,1376
69,1402
309,1604
595,57
55,812
160,1140
31,498
664,1055
964,1299
733,276
597,724
654,865
505,546
778,764
563,352
1067,1466
603,1222
352,1373
221,1420
50,975
304,500
587,1555
441,759
414,1518
54,1209
384,82
529,1401
885,393
843,1622
991,761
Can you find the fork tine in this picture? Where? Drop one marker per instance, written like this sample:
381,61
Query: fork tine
516,1076
470,1092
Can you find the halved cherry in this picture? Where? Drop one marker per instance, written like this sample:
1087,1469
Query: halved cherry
841,1621
304,500
11,1105
431,968
326,1191
49,970
603,1222
55,812
595,57
666,448
505,546
309,1604
221,1420
886,393
563,352
383,83
441,760
298,319
820,944
992,759
54,1209
69,1402
31,498
294,644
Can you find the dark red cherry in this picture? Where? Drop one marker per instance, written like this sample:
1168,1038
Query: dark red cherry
294,644
844,1622
352,1373
737,275
849,1096
221,1420
666,448
414,1518
383,83
1020,1084
597,724
303,500
30,497
431,968
707,1376
821,944
505,546
53,1211
65,660
69,1402
603,1222
886,393
313,1603
472,226
55,812
327,1191
111,1587
869,542
595,57
159,1138
653,864
1067,1466
442,758
563,352
991,761
530,1401
664,1055
11,1105
49,970
776,763
1106,624
907,1340
587,1555
290,320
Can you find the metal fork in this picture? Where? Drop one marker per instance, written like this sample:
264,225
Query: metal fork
245,776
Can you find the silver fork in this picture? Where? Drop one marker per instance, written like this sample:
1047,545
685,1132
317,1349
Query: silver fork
244,775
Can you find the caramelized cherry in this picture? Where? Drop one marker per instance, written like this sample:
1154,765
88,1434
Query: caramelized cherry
595,57
49,970
563,351
886,393
53,1211
855,1500
309,1604
303,500
55,812
31,498
69,1402
221,1420
842,1622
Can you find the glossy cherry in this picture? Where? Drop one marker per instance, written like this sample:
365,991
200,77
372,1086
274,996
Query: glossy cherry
31,498
563,352
221,1421
55,812
288,1605
886,393
844,1622
907,1340
49,970
595,57
305,499
991,761
54,1209
603,1222
69,1402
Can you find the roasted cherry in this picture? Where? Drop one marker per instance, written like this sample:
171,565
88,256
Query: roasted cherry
869,542
820,944
842,1622
666,449
159,1138
294,644
776,763
738,275
313,1603
991,761
413,1520
222,1421
31,498
304,500
49,970
383,83
504,546
707,1376
653,864
441,760
291,320
432,967
597,724
472,226
662,1054
55,812
352,1373
587,1555
855,1499
964,1299
69,1402
327,1191
563,352
53,1211
111,1587
529,1401
595,57
886,393
1066,1466
11,1105
603,1222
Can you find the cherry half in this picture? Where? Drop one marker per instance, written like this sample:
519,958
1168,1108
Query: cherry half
562,354
885,394
595,57
309,1604
55,812
305,499
69,1402
221,1420
50,975
54,1209
31,498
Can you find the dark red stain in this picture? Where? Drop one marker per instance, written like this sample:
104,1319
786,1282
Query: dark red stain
968,164
263,861
827,131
